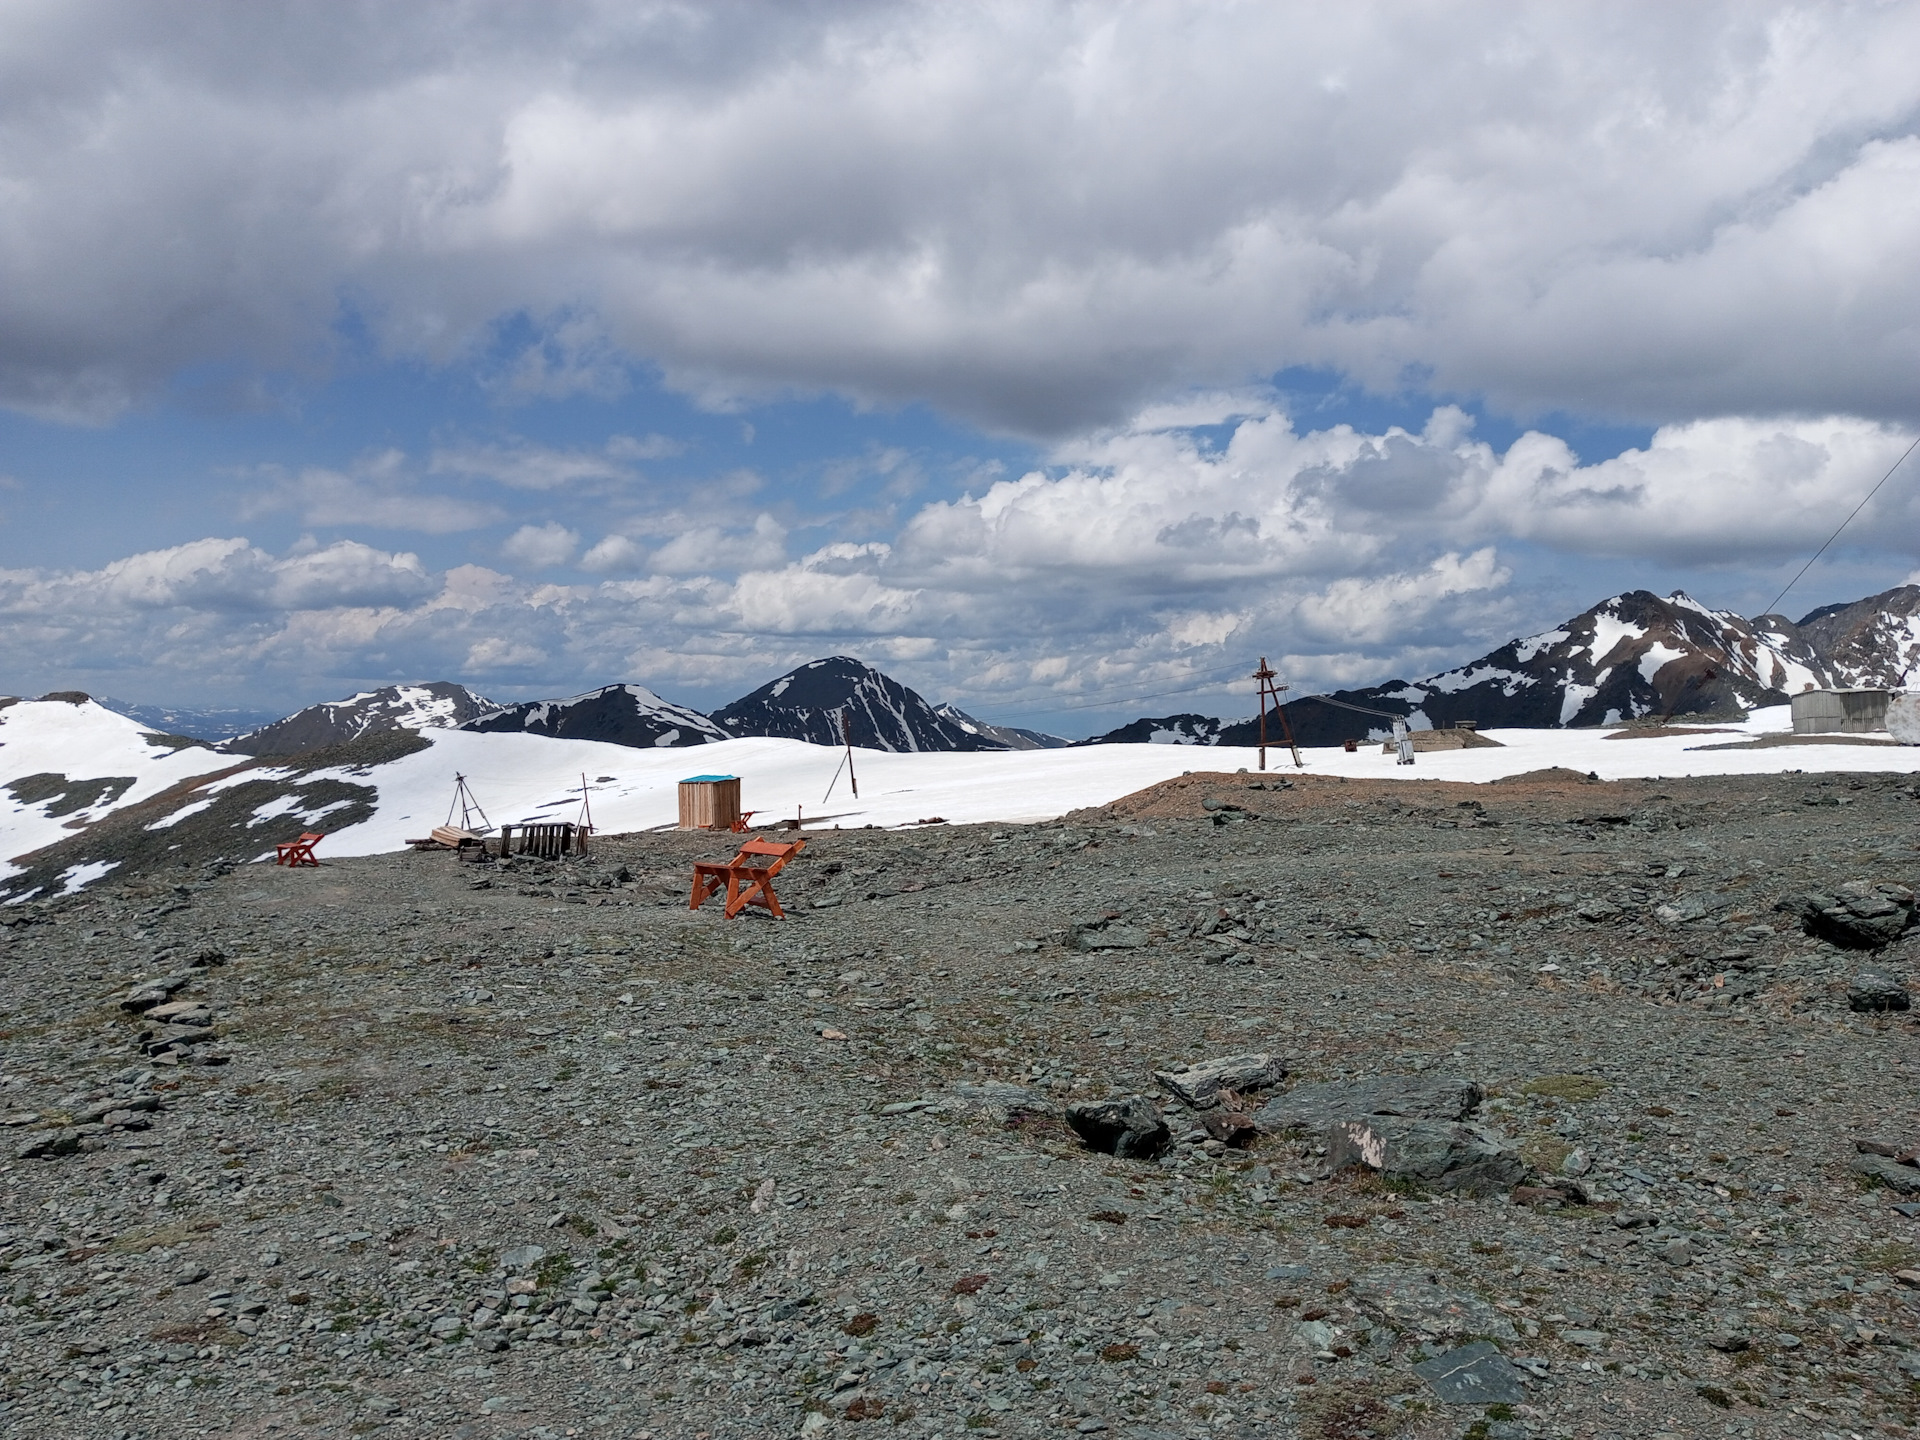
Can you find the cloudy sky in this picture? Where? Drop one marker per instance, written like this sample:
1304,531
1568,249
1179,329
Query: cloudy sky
1060,359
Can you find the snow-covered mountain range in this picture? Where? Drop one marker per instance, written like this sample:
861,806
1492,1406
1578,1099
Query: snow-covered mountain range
804,704
619,714
1633,655
435,705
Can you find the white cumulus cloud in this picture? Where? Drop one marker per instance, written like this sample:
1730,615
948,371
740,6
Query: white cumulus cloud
541,547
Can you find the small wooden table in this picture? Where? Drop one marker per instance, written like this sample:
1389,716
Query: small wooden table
748,877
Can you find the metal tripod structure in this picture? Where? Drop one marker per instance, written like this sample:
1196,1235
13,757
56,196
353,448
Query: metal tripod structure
846,762
468,807
1268,689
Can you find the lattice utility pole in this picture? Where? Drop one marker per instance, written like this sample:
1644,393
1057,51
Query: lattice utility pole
1266,676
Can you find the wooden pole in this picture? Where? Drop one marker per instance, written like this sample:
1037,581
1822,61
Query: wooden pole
1286,729
1263,674
849,744
1268,689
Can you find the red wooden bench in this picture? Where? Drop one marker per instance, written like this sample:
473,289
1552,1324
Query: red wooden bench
740,825
298,852
748,877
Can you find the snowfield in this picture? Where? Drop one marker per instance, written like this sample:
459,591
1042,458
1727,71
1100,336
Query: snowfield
522,778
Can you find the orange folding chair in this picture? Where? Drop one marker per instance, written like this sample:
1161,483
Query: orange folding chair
747,878
298,852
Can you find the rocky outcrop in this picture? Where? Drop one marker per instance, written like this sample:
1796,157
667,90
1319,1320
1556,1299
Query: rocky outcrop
1860,915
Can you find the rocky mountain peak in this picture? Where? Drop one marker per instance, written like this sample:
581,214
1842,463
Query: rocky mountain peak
881,713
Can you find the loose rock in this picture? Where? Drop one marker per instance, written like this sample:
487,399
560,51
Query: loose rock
1132,1129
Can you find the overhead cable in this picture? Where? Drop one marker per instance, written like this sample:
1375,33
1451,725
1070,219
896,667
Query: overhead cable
1843,525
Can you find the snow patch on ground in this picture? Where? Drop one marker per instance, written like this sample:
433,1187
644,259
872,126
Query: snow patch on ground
1609,631
1576,696
1525,650
1657,656
1457,680
78,877
185,812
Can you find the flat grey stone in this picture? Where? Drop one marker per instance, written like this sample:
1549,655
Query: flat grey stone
998,1094
1199,1085
1903,1178
1416,1097
1476,1374
1411,1302
1108,936
522,1257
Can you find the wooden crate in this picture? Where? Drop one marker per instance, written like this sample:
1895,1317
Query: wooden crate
709,802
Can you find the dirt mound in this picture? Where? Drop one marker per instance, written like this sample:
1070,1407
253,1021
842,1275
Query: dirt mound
1552,775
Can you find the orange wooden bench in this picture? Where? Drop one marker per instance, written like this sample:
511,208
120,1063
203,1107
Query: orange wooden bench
748,877
298,852
740,825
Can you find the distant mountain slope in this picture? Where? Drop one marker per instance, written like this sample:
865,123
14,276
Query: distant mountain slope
66,763
804,704
211,724
619,714
1011,736
436,705
1872,642
1174,730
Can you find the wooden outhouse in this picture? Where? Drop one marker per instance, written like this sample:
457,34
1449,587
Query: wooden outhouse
709,802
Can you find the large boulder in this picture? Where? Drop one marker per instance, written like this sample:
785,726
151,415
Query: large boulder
1199,1085
1873,992
1433,1154
1860,915
1131,1128
1413,1097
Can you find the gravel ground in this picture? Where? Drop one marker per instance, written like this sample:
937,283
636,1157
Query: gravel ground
530,1150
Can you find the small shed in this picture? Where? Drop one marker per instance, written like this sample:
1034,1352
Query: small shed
1841,712
709,802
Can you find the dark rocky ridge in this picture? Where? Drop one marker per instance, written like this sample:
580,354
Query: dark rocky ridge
1011,737
618,714
1872,642
396,707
